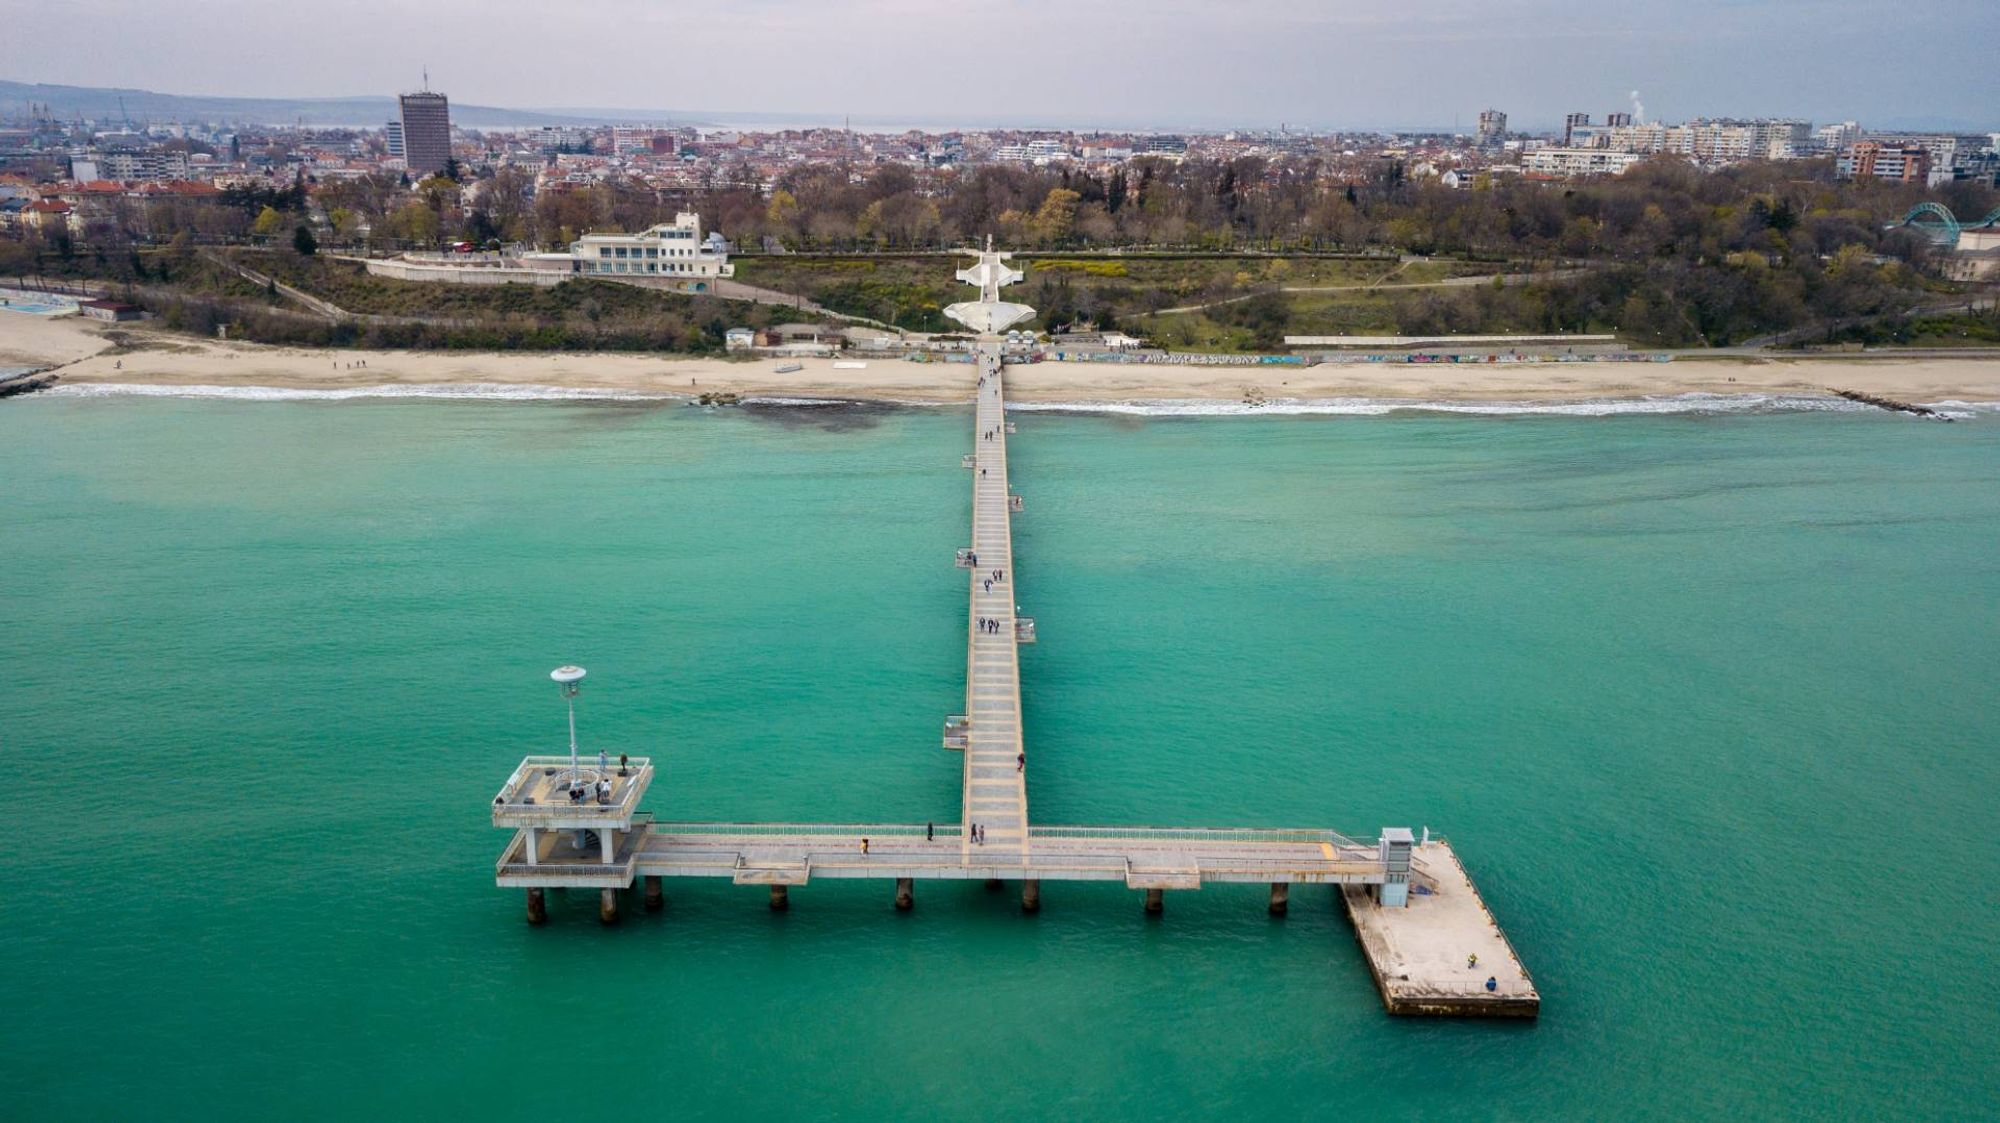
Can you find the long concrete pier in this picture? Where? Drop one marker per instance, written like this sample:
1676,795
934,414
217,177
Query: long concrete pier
1432,945
996,782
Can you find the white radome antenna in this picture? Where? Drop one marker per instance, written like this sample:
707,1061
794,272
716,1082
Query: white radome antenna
568,679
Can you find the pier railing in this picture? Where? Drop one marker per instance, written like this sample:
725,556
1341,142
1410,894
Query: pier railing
797,830
1203,834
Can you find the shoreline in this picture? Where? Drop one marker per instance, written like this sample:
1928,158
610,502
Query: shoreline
128,358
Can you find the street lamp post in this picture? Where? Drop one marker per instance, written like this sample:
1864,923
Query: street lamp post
568,679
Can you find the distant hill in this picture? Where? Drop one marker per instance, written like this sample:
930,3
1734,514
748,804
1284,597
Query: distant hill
142,106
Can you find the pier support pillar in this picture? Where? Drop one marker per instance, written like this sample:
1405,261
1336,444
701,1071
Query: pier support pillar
1156,901
655,898
992,883
781,898
905,893
607,906
1281,897
1031,894
538,909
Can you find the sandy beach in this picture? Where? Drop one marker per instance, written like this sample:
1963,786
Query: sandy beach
92,352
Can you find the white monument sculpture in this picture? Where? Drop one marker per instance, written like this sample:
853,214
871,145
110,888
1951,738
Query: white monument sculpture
989,315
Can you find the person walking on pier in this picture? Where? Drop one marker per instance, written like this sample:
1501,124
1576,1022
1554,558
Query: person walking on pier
864,846
930,832
1020,762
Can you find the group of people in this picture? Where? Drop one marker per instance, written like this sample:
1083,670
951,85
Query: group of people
578,790
976,833
1492,981
989,625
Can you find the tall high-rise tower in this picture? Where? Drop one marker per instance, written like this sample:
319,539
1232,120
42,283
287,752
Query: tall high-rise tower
1492,128
426,132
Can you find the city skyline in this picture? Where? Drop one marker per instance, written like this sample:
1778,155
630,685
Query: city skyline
1114,65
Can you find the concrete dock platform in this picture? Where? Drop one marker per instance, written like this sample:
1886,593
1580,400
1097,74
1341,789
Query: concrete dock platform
1437,955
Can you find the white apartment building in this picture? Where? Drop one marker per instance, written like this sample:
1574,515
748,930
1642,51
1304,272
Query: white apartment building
1721,141
1578,161
1833,138
129,166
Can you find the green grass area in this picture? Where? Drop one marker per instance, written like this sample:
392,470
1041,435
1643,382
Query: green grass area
1964,329
912,290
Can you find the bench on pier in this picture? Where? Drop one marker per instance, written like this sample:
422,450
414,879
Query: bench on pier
968,461
958,732
1024,629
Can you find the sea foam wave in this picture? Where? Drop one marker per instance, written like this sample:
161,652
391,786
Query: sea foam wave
1375,407
472,391
1694,403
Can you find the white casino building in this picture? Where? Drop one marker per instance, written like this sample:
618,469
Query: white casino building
672,255
673,251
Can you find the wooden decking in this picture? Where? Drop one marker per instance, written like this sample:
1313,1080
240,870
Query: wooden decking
995,798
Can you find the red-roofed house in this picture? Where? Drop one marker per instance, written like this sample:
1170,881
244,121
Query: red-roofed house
45,214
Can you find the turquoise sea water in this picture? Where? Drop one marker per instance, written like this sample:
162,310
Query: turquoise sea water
1705,703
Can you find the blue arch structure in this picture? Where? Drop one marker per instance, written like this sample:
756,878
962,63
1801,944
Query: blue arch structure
1943,229
1990,222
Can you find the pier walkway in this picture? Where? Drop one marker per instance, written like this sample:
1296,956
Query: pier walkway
1431,943
996,783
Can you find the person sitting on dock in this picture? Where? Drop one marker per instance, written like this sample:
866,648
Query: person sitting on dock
1471,961
1492,983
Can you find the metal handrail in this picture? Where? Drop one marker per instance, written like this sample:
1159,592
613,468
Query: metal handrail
530,763
1204,834
871,830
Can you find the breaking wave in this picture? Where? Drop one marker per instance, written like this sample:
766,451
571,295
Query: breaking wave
1696,403
1375,407
472,391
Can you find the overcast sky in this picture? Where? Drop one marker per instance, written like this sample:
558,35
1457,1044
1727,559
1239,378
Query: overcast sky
1122,63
